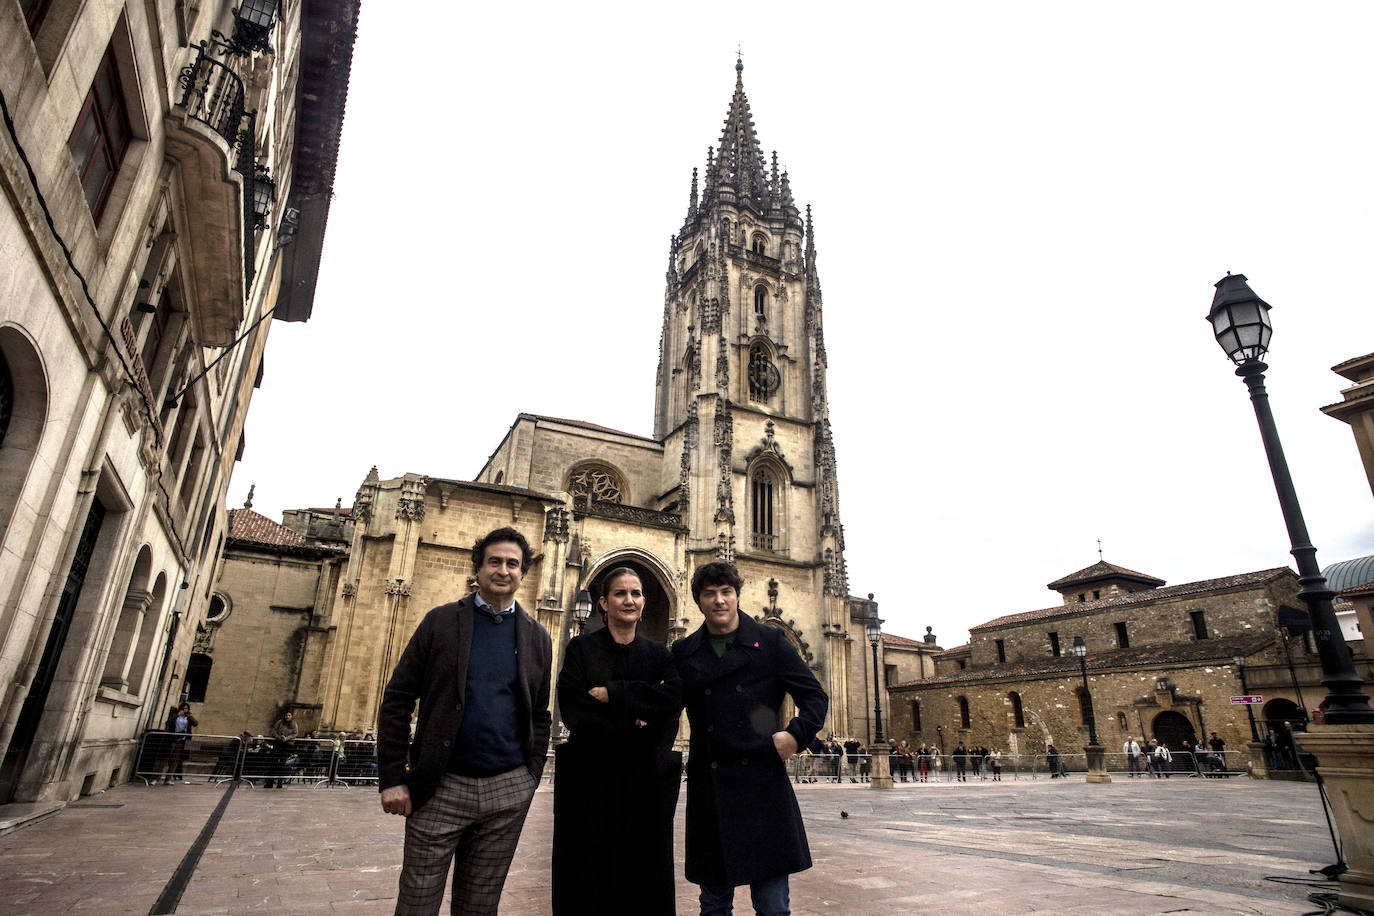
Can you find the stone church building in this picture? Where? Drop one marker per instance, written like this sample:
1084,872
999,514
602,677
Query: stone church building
741,466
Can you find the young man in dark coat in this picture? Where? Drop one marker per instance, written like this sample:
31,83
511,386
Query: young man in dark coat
743,823
480,669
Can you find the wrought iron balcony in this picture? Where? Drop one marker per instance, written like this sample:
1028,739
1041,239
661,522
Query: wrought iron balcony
213,95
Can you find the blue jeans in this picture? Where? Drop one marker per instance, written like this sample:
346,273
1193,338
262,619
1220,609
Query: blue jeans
769,897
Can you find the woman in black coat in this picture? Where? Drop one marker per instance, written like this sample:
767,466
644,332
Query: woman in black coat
616,777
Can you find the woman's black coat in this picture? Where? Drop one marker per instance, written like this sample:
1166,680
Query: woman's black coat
743,823
616,783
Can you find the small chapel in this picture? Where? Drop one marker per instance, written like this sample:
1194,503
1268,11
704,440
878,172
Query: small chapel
741,467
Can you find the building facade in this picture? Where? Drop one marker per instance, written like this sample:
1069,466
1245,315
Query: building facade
166,170
1159,660
1356,407
741,466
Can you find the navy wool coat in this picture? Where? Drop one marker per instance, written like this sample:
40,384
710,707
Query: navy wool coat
434,670
743,823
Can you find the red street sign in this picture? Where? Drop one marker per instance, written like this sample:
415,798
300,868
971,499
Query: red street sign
1246,701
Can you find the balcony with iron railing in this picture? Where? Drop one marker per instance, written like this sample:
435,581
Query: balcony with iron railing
210,136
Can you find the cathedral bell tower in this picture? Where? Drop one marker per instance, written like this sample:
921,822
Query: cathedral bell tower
741,393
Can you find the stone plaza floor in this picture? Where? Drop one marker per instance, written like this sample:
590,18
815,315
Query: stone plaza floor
1137,846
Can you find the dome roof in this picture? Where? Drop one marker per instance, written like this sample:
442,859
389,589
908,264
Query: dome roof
1349,573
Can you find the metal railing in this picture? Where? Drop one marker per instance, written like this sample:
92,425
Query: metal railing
166,757
212,94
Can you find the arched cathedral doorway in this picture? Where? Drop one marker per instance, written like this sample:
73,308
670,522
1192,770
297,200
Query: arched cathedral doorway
657,605
1171,729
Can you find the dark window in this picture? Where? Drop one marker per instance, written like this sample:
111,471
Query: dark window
1121,721
101,136
915,716
1199,624
1018,714
763,494
758,244
1084,706
889,675
6,397
760,301
962,664
1123,641
157,331
197,676
1054,644
1001,650
764,377
1096,594
1082,596
963,713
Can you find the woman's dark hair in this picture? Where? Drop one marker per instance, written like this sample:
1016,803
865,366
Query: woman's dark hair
507,535
713,574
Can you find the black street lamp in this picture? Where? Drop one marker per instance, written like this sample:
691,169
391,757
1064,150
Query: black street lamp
1238,658
1240,321
874,626
1080,648
582,609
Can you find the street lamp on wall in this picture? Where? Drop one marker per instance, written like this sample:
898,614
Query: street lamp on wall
1238,659
874,627
1080,649
1240,321
582,609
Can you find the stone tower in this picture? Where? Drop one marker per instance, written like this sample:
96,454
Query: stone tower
741,393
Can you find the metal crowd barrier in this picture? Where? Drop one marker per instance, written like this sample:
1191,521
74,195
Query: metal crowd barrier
167,757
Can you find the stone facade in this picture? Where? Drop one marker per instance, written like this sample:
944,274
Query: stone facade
1357,407
1173,678
136,277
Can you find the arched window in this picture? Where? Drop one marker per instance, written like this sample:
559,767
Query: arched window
759,244
764,377
595,482
761,301
964,719
763,498
1018,715
1084,706
218,609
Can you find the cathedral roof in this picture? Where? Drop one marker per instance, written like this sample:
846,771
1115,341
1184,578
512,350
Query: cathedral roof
1101,571
497,488
1207,650
582,424
249,527
1206,586
892,639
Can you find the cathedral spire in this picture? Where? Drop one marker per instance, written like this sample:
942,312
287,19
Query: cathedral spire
739,161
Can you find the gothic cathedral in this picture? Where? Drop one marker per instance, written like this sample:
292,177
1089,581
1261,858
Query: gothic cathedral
740,467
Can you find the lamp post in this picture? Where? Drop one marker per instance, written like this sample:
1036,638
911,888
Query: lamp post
1094,753
1238,658
1240,321
582,609
1080,648
874,626
879,765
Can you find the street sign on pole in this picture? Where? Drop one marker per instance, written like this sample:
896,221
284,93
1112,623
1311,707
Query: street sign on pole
1246,701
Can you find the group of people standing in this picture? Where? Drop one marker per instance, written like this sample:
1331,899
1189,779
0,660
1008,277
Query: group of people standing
481,670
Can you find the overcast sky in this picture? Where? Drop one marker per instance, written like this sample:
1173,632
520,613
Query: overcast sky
1020,213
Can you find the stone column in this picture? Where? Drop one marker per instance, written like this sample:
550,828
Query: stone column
880,773
1345,762
1097,763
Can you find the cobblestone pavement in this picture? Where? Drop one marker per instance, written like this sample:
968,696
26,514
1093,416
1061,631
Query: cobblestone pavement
1054,846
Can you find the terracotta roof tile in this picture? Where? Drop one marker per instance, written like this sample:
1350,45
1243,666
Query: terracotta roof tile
248,527
1103,570
1217,650
1259,577
892,639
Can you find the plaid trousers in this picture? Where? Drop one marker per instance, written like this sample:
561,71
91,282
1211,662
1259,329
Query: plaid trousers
474,822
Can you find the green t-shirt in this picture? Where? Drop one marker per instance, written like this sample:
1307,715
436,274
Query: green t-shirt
721,643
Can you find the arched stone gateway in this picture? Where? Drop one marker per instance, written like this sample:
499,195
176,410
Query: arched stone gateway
1171,729
1280,710
658,598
